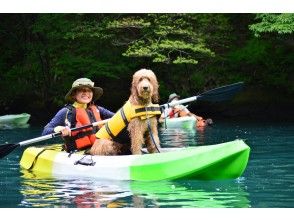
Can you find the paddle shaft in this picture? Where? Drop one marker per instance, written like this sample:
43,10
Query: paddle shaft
57,134
179,102
5,149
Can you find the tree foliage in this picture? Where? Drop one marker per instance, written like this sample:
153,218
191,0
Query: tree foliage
273,23
164,38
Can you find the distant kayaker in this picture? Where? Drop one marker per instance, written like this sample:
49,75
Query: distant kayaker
81,111
181,111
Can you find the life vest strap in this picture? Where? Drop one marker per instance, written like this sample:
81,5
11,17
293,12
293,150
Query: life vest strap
123,115
109,131
148,109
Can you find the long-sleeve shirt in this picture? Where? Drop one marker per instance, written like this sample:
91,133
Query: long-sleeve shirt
59,119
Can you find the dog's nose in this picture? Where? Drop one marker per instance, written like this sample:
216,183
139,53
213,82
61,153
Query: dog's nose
145,87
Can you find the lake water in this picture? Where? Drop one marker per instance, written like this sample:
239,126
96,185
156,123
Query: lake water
268,180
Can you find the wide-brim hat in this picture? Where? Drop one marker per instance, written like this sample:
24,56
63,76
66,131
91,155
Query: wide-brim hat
84,82
172,97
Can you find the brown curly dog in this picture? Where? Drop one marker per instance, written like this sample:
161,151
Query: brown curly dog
144,91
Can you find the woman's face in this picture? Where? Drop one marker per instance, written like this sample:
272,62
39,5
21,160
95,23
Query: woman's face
174,100
83,95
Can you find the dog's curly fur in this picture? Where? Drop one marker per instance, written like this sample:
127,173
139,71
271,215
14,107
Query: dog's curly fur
144,91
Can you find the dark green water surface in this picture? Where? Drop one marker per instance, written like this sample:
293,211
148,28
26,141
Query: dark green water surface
268,180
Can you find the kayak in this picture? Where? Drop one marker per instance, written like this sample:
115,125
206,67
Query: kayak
14,120
186,122
211,162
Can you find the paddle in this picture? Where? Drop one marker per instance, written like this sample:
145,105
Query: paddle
219,94
215,95
5,149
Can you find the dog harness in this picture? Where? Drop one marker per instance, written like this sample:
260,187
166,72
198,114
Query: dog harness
78,116
123,116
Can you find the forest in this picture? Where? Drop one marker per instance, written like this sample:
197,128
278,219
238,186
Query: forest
42,54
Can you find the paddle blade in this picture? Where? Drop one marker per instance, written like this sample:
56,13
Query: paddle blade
6,149
220,94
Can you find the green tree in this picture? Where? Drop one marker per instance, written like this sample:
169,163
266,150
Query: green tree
164,38
281,24
277,30
39,59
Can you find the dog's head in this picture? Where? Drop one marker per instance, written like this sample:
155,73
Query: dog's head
145,86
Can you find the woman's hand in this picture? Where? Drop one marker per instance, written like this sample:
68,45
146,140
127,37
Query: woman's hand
65,131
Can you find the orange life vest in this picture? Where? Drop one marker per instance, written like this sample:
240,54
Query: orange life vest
172,113
86,137
175,113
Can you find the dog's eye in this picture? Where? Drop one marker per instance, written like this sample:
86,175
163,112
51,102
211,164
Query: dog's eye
142,78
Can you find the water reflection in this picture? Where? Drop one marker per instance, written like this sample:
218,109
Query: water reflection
177,137
192,194
40,191
181,137
13,126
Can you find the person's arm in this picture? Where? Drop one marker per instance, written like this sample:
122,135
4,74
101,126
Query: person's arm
161,118
164,115
57,120
105,113
187,112
198,118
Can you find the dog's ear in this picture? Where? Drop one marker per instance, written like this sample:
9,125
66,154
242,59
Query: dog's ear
155,95
155,98
134,87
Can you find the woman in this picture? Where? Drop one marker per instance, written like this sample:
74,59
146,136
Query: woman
181,111
81,112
